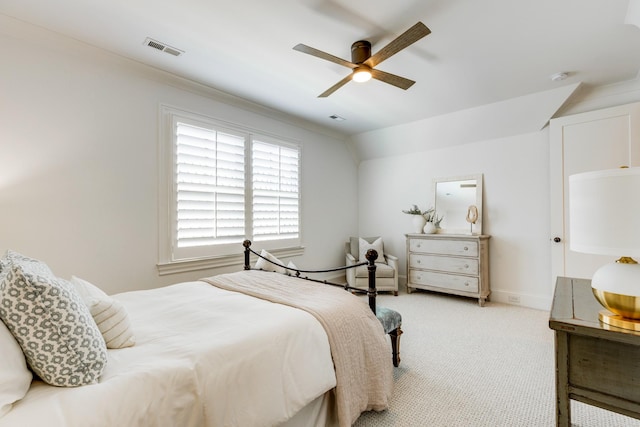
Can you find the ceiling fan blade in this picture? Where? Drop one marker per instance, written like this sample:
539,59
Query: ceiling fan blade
323,55
404,40
335,87
392,79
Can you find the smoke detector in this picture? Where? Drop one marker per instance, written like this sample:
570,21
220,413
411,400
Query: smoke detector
557,77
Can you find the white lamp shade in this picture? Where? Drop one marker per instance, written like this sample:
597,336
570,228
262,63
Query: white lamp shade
604,209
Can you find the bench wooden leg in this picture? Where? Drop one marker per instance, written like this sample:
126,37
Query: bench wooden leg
395,345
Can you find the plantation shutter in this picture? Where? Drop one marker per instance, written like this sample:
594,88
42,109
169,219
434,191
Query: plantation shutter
275,191
210,187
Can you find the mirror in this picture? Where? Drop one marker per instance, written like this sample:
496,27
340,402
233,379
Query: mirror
454,198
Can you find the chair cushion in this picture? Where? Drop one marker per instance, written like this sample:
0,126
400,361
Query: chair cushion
389,318
382,271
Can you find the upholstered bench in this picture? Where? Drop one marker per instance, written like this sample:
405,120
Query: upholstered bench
391,322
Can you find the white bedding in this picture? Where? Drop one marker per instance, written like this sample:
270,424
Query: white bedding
203,357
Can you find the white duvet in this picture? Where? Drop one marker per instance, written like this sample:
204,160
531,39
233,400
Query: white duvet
203,357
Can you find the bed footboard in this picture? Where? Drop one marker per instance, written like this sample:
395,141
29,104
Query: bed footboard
371,257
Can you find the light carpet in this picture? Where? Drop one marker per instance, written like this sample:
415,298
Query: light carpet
467,366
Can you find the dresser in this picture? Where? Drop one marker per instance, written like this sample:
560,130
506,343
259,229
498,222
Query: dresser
450,263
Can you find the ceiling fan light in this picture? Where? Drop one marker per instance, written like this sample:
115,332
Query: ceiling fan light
361,75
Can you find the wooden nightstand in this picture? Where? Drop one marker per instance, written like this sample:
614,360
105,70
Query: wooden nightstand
596,363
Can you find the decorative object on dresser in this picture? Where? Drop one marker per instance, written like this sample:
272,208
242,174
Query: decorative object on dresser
427,222
603,215
386,265
449,263
459,200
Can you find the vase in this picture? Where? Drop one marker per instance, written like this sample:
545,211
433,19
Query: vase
418,223
429,228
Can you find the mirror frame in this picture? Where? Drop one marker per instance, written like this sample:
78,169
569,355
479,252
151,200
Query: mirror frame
477,227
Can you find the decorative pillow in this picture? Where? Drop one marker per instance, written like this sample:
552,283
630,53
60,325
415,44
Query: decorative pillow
263,264
355,247
54,328
15,377
364,246
110,315
291,272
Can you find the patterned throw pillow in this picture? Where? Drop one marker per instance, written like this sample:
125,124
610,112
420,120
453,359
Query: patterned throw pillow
58,336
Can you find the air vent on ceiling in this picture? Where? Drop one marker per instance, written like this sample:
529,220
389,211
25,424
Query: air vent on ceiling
163,47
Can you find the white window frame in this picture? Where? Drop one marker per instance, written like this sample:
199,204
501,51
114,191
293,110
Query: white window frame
176,260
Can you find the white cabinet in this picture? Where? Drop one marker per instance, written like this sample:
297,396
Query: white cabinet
449,263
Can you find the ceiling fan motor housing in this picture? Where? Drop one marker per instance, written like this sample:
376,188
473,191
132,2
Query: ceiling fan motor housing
360,51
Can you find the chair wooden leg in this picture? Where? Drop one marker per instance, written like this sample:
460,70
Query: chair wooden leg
395,293
395,345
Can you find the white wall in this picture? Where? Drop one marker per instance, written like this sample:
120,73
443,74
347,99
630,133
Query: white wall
516,185
516,206
79,162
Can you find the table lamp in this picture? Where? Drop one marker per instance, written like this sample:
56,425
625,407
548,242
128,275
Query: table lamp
604,212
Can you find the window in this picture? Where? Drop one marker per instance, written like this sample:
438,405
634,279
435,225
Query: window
224,184
275,191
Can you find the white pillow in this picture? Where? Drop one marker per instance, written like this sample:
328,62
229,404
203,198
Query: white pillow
110,315
291,272
364,246
15,377
263,264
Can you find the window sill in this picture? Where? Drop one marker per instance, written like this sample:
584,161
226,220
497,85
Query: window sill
187,265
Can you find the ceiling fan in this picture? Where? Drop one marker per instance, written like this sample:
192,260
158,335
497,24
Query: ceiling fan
362,63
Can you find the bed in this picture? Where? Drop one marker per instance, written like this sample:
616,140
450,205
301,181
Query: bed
251,348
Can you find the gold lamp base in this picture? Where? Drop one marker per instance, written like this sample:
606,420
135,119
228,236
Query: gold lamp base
623,311
626,306
618,321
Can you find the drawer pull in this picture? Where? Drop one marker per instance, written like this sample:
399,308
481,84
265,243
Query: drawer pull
466,283
466,266
419,261
466,248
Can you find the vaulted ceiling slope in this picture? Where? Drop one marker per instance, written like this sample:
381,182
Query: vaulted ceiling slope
478,52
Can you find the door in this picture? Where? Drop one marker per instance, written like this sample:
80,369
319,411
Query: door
603,139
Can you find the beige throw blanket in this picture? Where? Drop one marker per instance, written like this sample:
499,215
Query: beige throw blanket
361,352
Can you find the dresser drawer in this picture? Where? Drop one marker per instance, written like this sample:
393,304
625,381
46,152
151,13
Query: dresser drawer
446,281
443,263
445,247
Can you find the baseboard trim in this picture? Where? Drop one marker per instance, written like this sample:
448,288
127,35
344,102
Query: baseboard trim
524,300
512,298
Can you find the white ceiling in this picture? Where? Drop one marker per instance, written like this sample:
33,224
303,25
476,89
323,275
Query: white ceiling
479,52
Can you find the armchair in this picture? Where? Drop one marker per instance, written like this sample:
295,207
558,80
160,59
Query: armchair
386,266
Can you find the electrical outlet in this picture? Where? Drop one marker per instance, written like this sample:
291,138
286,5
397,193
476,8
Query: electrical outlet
514,299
